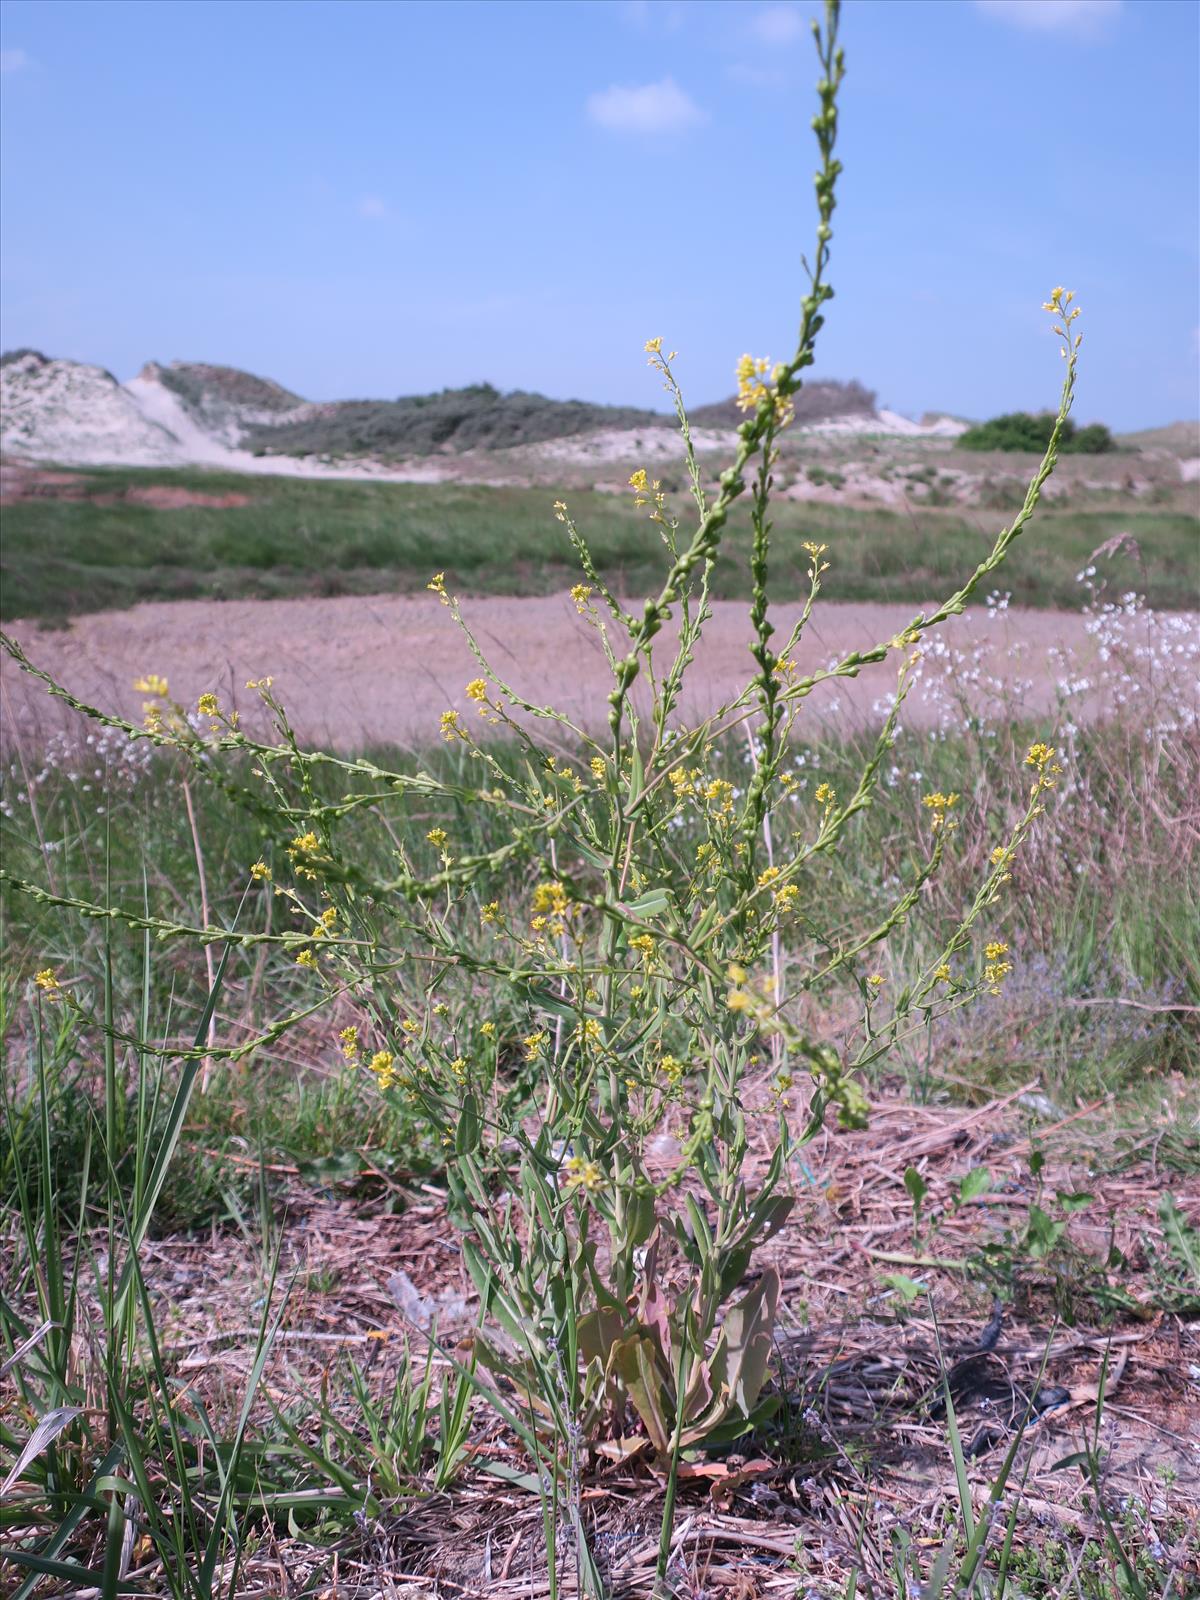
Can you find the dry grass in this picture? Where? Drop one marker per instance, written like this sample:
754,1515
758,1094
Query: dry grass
860,1448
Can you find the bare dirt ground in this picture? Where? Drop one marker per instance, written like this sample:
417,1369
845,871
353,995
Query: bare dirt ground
859,1372
358,672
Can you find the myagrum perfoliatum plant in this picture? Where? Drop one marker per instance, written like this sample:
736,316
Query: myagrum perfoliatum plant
597,1014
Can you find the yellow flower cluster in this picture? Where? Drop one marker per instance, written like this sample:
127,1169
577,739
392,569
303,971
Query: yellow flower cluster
260,872
1058,302
581,1174
825,796
437,586
590,1031
750,372
672,1070
349,1038
941,805
997,968
647,493
208,705
815,552
300,852
534,1044
383,1065
152,683
787,898
451,726
581,594
1041,758
551,908
47,982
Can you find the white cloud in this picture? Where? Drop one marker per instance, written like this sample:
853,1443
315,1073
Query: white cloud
645,108
778,25
1086,18
664,16
14,61
372,208
755,77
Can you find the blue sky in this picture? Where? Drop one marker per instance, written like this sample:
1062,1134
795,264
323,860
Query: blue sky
377,199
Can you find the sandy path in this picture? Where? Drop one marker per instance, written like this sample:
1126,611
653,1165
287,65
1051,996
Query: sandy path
356,672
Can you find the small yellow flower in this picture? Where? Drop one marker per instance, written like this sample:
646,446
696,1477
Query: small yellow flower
1040,756
477,690
437,836
767,875
826,794
590,1031
260,871
942,973
639,481
940,804
152,683
306,959
534,1044
581,594
349,1038
490,912
302,847
488,1030
643,943
207,705
599,768
582,1174
47,982
552,898
787,897
998,856
672,1069
437,586
995,950
382,1064
560,510
653,347
450,726
876,980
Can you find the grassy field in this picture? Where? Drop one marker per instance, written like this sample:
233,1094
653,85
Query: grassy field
300,537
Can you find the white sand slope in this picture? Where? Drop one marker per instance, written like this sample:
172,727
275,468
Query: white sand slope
66,411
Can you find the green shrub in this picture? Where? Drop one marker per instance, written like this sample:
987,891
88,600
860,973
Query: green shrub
1024,430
